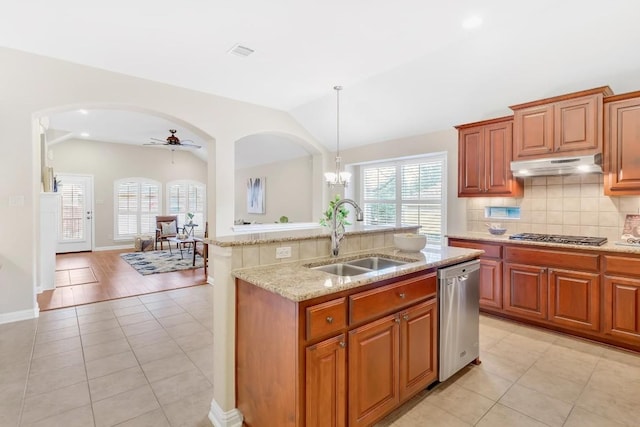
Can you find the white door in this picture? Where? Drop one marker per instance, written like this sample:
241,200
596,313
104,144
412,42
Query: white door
75,229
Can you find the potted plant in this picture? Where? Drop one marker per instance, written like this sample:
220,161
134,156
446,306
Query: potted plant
341,214
190,216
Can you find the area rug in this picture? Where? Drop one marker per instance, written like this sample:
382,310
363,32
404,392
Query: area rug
154,262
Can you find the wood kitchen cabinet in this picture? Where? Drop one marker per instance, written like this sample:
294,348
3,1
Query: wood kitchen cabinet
574,299
622,144
484,159
622,298
490,272
525,290
564,125
344,359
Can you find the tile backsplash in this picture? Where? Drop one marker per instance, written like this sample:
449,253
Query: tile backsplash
571,205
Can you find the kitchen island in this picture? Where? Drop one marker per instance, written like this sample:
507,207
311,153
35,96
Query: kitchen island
286,281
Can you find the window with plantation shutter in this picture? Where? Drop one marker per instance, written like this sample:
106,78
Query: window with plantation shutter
187,196
137,202
406,192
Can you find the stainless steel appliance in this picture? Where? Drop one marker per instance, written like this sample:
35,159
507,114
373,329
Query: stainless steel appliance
558,238
459,316
591,163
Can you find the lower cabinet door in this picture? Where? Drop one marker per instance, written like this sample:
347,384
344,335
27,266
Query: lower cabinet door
525,290
622,308
373,370
418,348
326,385
490,283
574,299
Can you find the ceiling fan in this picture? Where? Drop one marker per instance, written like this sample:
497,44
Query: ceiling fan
173,141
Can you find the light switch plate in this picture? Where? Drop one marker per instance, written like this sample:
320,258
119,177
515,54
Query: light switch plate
283,252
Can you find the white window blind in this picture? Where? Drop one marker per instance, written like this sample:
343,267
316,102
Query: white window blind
407,192
187,196
137,202
72,211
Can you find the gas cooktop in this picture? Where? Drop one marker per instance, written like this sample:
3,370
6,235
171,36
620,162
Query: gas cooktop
558,238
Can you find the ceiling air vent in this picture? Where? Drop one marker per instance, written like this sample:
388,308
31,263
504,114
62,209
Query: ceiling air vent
240,50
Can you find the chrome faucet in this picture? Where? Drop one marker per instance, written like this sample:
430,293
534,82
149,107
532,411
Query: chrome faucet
337,230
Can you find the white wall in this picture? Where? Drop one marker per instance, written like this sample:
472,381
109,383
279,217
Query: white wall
434,142
288,191
33,85
108,162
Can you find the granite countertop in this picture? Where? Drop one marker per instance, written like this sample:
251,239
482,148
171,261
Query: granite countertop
297,282
301,234
486,237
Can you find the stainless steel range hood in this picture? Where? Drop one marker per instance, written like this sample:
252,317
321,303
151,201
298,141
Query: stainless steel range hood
558,166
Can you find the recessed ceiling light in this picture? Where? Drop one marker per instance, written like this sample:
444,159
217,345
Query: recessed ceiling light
472,22
85,134
240,50
85,112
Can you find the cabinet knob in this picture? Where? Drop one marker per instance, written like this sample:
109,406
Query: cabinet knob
329,319
342,344
542,271
405,317
397,320
401,295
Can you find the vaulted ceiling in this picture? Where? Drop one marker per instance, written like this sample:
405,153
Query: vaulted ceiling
408,66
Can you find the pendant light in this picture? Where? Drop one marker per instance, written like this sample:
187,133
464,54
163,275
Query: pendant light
339,177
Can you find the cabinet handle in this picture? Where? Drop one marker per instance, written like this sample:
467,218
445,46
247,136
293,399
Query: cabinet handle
329,319
405,317
402,295
342,344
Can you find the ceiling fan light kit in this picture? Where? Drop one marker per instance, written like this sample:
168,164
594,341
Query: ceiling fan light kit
173,141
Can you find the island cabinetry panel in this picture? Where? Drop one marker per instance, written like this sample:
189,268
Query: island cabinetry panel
622,144
622,298
344,359
484,158
490,272
565,125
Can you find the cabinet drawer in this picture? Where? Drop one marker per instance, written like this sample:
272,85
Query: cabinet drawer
622,265
490,250
546,258
323,319
376,302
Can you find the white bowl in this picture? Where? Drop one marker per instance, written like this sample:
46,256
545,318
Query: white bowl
409,242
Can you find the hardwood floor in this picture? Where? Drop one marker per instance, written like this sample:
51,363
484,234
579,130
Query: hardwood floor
103,276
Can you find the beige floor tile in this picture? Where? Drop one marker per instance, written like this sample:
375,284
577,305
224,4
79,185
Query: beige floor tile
622,356
190,411
167,311
101,350
96,317
101,325
502,367
55,402
116,383
14,372
609,406
158,350
110,364
124,302
485,383
580,345
128,311
551,385
79,417
195,341
102,337
165,302
155,297
180,386
57,334
56,361
11,394
154,418
141,328
203,359
176,319
524,343
580,417
124,406
141,340
183,329
135,318
53,379
426,413
612,378
537,334
52,325
503,416
543,408
576,371
61,313
97,307
55,347
167,367
464,404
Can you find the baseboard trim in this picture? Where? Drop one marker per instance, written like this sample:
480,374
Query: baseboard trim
16,316
113,248
220,418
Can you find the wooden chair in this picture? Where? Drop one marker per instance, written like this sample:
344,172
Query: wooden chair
203,250
165,229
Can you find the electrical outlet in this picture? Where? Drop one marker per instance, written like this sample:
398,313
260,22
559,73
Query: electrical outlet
283,252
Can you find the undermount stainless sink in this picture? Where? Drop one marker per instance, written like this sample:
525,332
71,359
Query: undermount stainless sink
358,266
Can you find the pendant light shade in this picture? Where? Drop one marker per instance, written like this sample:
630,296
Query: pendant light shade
338,177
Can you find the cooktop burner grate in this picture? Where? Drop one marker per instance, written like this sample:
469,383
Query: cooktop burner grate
558,238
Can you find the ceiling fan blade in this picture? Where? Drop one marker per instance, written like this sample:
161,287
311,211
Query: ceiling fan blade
189,145
159,140
153,143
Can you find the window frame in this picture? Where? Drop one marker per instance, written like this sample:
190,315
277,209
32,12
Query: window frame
182,214
139,181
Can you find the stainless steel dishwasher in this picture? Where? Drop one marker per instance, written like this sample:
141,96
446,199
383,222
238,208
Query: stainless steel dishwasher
458,290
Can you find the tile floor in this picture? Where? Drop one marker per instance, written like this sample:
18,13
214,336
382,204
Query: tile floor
148,361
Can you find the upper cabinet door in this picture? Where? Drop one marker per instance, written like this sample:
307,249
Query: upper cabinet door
578,124
533,132
498,143
470,160
622,146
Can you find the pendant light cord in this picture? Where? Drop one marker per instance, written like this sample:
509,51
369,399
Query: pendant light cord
338,89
